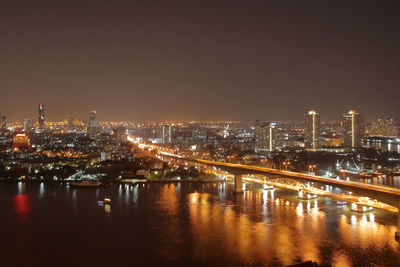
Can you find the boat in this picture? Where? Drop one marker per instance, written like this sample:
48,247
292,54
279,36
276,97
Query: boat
85,183
105,201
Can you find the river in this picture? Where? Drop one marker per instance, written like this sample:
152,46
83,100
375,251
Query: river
187,224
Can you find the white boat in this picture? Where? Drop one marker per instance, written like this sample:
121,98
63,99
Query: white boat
85,183
106,201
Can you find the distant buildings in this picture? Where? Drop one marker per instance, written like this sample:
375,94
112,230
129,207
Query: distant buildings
383,128
353,130
312,137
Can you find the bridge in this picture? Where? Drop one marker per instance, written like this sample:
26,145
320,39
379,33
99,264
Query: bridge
384,194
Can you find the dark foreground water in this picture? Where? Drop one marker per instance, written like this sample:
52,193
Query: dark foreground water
186,225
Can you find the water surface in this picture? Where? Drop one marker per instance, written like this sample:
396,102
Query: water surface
186,225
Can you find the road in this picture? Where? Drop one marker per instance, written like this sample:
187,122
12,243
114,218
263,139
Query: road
321,179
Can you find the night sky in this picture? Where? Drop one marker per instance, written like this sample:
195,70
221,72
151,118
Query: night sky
239,60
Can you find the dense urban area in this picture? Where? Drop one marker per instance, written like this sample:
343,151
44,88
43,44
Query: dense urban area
109,151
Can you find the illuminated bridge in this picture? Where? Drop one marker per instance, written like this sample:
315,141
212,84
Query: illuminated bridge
384,194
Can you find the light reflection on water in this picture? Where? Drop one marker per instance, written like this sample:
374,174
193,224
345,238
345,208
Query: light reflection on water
292,235
203,224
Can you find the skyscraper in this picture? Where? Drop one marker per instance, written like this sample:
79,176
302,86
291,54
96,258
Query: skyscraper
93,124
312,130
167,134
353,130
267,137
70,124
260,136
41,116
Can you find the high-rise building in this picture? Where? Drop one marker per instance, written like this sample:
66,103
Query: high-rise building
312,138
41,116
93,124
353,130
260,137
27,125
21,142
383,128
70,124
167,134
267,137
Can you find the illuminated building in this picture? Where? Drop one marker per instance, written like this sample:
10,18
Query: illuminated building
384,128
312,130
93,125
167,134
41,116
331,141
353,131
21,142
267,137
70,124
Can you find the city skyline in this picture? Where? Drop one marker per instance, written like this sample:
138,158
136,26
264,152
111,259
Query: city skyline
200,61
33,117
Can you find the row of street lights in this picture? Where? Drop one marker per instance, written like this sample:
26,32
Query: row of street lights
311,168
286,165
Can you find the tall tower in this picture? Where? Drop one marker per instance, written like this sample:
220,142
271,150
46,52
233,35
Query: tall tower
312,130
92,117
352,129
273,137
41,115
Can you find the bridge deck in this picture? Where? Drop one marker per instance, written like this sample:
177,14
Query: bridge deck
373,187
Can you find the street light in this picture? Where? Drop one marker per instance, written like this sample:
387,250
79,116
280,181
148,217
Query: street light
311,168
286,164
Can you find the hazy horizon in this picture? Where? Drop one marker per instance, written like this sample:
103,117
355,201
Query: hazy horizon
201,60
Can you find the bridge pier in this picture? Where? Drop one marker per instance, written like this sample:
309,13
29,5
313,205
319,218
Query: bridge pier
238,184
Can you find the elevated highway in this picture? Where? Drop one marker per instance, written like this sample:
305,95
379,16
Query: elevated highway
385,194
